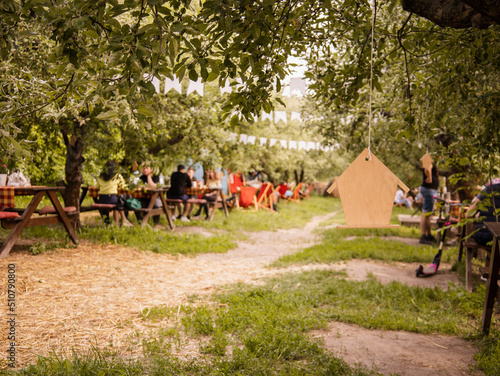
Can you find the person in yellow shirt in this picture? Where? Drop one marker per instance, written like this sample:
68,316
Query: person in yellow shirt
108,183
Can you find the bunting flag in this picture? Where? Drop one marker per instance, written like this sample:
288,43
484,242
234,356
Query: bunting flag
173,84
280,115
266,115
298,84
156,84
295,116
195,86
287,144
226,89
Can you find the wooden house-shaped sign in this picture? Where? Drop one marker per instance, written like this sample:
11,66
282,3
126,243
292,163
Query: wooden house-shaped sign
367,189
426,161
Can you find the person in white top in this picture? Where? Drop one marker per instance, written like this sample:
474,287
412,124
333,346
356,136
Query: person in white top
402,199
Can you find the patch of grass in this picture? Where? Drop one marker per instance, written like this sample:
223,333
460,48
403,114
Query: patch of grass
145,238
488,359
148,239
347,244
291,215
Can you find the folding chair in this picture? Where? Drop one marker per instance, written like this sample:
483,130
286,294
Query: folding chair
265,197
248,197
296,194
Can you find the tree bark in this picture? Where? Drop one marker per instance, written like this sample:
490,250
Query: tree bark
75,147
457,14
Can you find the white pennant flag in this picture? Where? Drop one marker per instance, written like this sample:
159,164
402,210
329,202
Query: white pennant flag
195,86
272,141
311,145
298,84
251,140
243,138
292,144
279,115
295,116
266,115
156,84
173,84
263,140
284,144
302,145
226,89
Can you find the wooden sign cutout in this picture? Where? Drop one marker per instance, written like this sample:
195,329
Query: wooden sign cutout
367,189
427,161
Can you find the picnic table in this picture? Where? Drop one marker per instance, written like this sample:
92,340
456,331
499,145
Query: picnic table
10,218
492,283
139,193
201,191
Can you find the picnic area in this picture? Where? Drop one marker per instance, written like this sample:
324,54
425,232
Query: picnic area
249,188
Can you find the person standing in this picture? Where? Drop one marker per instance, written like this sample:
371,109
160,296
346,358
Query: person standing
429,190
179,181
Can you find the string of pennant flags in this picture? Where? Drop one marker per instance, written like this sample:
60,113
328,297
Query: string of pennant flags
286,144
297,85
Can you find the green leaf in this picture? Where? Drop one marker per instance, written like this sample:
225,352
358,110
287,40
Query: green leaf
107,115
146,110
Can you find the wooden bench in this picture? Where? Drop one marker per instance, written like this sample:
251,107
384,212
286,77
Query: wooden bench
471,247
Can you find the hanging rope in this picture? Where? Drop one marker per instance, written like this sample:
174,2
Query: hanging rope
370,116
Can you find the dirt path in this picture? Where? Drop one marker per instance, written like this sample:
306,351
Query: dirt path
71,298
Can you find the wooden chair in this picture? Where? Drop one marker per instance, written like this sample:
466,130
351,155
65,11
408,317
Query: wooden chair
472,249
248,197
296,194
280,191
265,198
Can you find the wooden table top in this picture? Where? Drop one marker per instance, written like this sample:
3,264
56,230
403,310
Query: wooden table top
494,228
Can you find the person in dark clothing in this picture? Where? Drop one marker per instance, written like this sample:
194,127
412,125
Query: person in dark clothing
150,181
486,203
179,181
428,189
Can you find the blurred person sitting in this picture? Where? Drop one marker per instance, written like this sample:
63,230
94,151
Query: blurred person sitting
485,203
213,181
179,181
401,199
150,180
108,183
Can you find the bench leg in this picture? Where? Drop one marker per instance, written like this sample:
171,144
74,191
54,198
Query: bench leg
491,287
468,268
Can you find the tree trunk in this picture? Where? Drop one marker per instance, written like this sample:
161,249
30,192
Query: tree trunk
73,170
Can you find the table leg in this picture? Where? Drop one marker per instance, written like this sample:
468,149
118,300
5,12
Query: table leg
491,286
224,204
152,200
167,211
18,228
62,216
